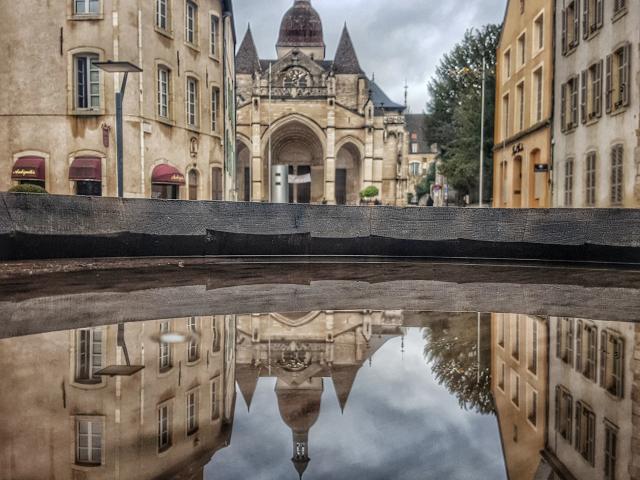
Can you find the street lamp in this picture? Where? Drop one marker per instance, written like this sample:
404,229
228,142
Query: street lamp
126,68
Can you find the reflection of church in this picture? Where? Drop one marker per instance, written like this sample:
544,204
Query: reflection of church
326,119
301,351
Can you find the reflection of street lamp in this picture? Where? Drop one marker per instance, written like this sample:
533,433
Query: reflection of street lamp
126,68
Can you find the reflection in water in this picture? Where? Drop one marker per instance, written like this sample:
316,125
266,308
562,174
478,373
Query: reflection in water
325,394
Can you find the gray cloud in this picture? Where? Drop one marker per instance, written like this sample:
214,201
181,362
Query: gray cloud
398,40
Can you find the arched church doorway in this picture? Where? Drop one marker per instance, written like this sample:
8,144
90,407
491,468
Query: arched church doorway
348,175
297,145
243,171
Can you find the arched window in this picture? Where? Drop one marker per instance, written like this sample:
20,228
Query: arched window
193,185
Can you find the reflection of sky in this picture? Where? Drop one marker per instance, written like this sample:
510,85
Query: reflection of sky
398,424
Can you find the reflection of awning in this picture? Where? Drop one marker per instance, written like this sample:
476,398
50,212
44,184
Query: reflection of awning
86,169
28,168
167,175
300,179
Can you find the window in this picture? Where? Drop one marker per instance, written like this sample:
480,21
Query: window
515,338
564,413
89,355
89,436
569,105
568,183
591,104
164,427
520,99
213,39
193,347
592,17
564,340
507,65
538,30
164,76
414,148
192,102
570,27
585,432
532,407
610,450
191,23
215,347
86,7
619,6
586,350
591,179
164,354
538,84
215,410
87,82
617,175
193,185
217,189
618,79
515,389
414,169
162,14
522,49
532,360
192,412
612,363
215,108
505,116
501,327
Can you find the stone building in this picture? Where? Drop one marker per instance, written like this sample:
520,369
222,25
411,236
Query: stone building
57,124
524,101
422,155
332,125
596,104
519,386
302,350
165,421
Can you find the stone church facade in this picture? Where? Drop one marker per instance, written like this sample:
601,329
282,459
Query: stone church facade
323,118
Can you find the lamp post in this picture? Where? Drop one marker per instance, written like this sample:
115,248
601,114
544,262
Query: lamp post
126,68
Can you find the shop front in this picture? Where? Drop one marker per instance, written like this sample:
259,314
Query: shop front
29,171
86,172
166,181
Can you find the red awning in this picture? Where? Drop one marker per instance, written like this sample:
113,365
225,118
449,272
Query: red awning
167,175
28,168
88,169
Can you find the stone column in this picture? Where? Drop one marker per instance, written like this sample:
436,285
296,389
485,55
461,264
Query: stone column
256,151
367,174
330,157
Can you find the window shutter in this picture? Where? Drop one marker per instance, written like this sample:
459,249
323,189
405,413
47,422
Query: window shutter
585,19
575,100
557,419
597,89
625,84
584,99
569,417
599,13
576,23
609,84
603,358
563,115
578,426
579,347
565,41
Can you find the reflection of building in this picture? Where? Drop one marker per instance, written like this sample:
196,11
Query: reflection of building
519,386
524,83
167,420
591,398
331,124
57,110
303,349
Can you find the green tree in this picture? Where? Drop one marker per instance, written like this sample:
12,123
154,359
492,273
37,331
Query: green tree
454,109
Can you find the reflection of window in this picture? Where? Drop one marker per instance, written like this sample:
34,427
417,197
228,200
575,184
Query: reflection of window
586,350
564,340
610,450
164,427
532,407
532,361
89,352
515,389
193,348
86,7
501,327
165,349
89,437
515,338
501,377
87,82
216,337
192,413
564,413
215,411
612,363
585,432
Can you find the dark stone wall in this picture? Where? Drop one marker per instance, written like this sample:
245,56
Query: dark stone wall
46,226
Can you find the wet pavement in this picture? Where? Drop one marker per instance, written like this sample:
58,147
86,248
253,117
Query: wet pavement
252,369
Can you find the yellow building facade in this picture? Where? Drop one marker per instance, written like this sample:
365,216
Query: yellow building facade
524,86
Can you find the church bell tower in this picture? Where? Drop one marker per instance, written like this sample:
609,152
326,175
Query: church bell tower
301,29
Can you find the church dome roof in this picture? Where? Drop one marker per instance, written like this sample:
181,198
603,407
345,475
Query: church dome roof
301,26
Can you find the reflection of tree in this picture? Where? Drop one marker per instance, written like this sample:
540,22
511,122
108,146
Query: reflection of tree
452,350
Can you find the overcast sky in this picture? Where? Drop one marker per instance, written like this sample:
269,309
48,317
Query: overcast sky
396,40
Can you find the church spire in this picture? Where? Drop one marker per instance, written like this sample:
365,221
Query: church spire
346,59
343,379
247,60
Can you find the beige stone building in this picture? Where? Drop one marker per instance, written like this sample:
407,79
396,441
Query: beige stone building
519,385
597,104
332,125
57,108
421,154
165,421
523,111
303,350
